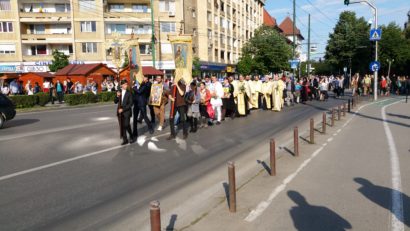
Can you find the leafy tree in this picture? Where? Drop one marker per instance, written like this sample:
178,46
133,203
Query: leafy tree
126,60
196,67
266,52
350,42
60,60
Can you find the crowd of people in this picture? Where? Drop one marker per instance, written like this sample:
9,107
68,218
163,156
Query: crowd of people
208,101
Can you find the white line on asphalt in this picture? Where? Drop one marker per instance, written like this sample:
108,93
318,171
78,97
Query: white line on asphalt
396,197
330,139
339,130
262,206
153,148
41,132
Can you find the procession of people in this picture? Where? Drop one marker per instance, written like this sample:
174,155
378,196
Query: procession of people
208,101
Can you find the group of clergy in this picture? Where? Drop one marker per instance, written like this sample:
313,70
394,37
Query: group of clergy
255,94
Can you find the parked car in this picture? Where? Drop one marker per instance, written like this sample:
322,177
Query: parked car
7,111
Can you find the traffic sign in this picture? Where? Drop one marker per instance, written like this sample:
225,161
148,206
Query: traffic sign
375,34
294,63
374,66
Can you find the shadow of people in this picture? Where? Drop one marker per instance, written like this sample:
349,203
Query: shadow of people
308,217
383,197
171,224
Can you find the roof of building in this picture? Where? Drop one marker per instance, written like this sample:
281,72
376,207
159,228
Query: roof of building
80,69
151,71
287,27
10,76
41,74
268,20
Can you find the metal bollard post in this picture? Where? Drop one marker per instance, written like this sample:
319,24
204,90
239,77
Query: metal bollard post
155,215
339,110
324,123
312,131
332,121
353,102
344,110
348,105
232,187
272,158
296,141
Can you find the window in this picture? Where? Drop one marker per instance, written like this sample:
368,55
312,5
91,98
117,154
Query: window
120,28
193,13
88,26
6,27
7,49
142,29
116,7
5,5
145,49
89,47
194,31
62,7
39,50
222,6
209,14
140,8
222,38
167,6
167,27
209,34
166,48
216,54
222,55
86,5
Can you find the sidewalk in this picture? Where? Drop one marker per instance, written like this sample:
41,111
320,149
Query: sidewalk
341,182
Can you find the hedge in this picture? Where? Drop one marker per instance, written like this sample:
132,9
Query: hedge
107,96
43,98
24,101
76,99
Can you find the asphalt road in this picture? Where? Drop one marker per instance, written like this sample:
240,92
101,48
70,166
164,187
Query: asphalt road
59,166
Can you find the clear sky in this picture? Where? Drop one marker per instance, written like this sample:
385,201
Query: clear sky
325,13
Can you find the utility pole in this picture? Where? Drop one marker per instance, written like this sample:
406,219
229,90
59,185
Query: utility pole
294,38
308,58
389,61
153,34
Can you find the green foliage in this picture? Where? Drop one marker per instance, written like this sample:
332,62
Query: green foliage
43,98
126,60
76,99
196,67
107,96
24,101
60,60
266,52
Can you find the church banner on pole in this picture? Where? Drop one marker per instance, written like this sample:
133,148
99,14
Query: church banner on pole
135,62
182,51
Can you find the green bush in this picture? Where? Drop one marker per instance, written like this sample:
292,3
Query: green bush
24,101
43,98
76,99
107,96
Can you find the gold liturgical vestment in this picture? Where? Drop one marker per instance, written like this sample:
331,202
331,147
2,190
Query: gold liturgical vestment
267,93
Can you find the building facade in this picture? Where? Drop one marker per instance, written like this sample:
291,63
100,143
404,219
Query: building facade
30,31
287,27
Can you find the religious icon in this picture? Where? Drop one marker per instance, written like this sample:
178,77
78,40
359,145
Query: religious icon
156,95
180,54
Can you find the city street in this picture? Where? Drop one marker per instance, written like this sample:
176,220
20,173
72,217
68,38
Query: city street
65,169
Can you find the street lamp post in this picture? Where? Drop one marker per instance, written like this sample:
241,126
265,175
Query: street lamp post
347,2
389,61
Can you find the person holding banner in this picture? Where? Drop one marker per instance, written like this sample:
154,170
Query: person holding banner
178,104
140,105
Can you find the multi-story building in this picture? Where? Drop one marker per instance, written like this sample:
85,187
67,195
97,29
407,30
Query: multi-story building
30,31
287,27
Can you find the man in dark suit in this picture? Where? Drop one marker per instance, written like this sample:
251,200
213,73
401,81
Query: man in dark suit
140,105
124,113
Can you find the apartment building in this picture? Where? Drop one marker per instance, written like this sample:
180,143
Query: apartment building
220,28
30,30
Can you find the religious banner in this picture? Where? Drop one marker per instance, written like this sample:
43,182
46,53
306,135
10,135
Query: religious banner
182,50
135,64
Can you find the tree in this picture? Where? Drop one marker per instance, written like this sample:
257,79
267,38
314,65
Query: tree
349,44
196,67
266,52
60,60
126,60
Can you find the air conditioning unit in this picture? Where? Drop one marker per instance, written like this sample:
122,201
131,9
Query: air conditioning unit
210,44
105,2
171,13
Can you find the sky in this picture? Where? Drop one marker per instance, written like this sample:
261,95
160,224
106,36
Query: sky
325,14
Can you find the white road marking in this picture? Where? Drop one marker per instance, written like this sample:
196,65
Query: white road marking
262,206
339,130
141,140
396,196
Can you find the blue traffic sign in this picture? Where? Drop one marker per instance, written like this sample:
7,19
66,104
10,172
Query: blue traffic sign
375,34
374,66
294,63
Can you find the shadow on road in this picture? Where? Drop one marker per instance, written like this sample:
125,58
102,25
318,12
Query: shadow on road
171,224
381,120
264,165
308,217
20,122
399,116
226,190
382,196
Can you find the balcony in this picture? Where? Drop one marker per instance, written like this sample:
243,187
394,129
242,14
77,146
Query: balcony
34,58
46,38
140,37
45,17
125,16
